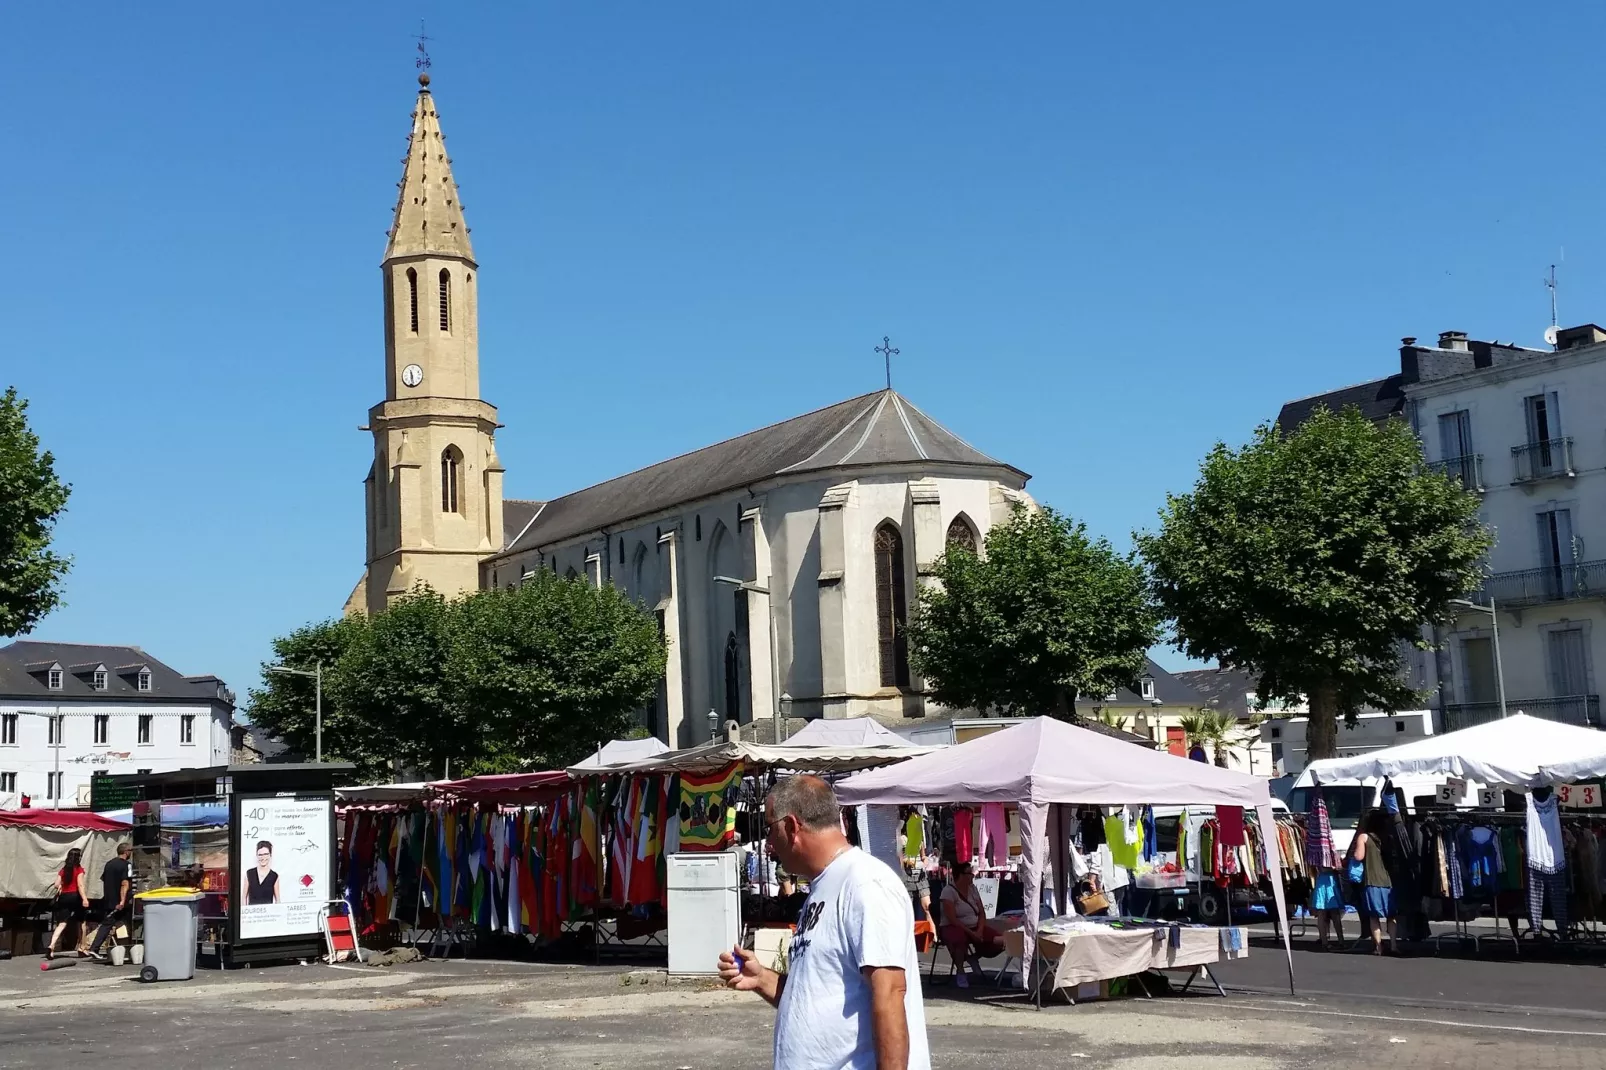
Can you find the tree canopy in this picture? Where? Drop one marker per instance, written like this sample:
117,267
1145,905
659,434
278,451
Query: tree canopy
1314,558
499,680
1043,614
31,498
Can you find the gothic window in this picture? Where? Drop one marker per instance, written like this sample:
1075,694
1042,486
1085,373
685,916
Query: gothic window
446,300
733,679
412,297
892,611
961,535
451,460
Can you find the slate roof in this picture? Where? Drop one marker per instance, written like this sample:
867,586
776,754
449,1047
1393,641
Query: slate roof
1228,688
872,429
516,516
1377,400
24,666
1169,689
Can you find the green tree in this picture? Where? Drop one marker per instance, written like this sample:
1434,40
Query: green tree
283,706
1042,615
554,666
1313,558
31,498
1111,719
393,678
495,681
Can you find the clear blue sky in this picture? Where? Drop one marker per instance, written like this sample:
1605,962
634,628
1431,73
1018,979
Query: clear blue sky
1104,236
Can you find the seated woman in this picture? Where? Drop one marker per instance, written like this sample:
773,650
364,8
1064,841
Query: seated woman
964,925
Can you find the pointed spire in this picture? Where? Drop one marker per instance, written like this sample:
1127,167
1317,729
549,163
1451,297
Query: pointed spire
429,216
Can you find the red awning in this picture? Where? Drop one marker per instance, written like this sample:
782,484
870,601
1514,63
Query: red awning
61,819
508,787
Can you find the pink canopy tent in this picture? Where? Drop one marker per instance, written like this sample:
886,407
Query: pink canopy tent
1042,763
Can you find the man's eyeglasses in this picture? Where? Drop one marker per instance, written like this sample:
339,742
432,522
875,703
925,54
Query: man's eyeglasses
768,825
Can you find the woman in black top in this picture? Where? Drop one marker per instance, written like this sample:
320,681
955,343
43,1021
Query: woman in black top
261,882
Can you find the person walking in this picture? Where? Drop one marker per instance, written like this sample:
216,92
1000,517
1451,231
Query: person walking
117,889
1378,886
850,999
69,898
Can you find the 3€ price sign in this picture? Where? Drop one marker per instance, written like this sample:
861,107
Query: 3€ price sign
1579,796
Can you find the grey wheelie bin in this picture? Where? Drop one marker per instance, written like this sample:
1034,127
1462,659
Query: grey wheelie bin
170,934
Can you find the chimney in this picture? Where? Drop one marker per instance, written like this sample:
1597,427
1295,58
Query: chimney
1455,341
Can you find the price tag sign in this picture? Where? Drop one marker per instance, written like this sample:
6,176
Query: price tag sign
1486,798
1447,795
1579,796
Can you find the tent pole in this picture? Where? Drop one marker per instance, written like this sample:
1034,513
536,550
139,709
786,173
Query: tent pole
1274,868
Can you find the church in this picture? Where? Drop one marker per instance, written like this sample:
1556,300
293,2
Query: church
781,564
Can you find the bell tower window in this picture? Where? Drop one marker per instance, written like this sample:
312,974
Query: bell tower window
412,298
446,300
451,461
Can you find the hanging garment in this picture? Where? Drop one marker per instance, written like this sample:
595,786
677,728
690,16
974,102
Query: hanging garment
1544,835
1319,850
1479,848
1151,842
708,809
913,836
964,842
995,835
1231,820
1555,884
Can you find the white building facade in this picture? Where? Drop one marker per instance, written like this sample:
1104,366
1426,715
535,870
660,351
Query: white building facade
782,565
69,711
1523,428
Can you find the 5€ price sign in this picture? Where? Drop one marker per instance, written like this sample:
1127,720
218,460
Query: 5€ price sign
1579,796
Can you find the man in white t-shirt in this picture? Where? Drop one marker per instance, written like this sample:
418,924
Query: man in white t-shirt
850,999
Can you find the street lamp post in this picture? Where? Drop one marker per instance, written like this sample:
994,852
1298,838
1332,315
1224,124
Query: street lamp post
775,662
317,709
1499,668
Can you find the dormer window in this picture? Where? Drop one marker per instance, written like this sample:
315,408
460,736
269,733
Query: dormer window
53,678
1147,684
98,680
144,680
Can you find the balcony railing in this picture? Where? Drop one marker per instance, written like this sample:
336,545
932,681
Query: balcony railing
1571,582
1576,709
1550,459
1468,470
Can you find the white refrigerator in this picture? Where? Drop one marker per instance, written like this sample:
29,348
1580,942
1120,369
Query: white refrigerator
705,910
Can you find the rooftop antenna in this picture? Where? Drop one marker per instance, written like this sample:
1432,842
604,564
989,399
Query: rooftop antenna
1552,332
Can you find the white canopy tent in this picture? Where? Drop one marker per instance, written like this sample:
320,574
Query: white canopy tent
620,751
1517,751
846,732
1042,764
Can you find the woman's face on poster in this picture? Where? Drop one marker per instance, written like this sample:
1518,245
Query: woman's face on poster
264,858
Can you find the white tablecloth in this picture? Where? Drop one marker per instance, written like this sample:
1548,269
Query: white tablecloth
1105,953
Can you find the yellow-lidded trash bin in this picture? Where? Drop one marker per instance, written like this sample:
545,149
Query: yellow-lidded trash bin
170,933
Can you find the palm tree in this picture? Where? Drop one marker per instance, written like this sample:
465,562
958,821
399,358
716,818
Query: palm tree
1111,719
1216,730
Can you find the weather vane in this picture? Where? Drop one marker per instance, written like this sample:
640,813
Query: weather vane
887,351
422,62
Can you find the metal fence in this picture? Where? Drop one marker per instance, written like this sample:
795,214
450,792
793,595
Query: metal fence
1574,709
1543,460
1468,470
1553,583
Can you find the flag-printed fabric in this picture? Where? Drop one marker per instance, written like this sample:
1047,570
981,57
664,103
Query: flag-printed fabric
707,810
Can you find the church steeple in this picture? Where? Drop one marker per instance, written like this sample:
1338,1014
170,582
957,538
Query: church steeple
435,491
429,216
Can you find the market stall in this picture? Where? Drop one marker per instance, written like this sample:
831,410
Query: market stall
1464,857
846,732
1043,766
33,845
